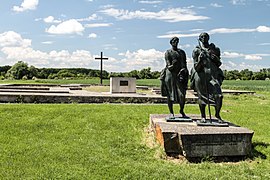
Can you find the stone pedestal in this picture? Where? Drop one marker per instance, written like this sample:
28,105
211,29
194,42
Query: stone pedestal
190,140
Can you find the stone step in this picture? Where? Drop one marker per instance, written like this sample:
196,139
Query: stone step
24,87
142,87
59,91
157,91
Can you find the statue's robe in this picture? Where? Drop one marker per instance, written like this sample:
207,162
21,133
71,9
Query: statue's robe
174,77
206,75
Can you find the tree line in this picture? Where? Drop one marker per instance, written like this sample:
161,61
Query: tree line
246,74
22,70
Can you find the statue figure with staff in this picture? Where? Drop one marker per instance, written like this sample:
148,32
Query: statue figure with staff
207,77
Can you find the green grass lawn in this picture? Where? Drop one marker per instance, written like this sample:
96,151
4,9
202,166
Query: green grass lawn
108,141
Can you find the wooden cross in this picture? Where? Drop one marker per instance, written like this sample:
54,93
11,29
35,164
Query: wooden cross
101,58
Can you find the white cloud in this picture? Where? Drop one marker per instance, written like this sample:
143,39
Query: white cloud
170,15
178,35
143,58
92,35
47,42
150,2
50,19
26,5
196,30
23,53
90,18
110,47
232,55
95,25
63,58
264,44
216,5
67,27
253,57
261,29
238,2
244,65
15,48
38,19
11,38
229,65
230,30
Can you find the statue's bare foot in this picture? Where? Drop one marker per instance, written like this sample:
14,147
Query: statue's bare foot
219,118
183,114
203,120
171,116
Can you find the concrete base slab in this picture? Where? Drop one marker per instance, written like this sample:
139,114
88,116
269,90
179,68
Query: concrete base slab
192,141
178,119
213,122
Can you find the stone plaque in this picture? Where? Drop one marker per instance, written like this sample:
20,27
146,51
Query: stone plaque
122,85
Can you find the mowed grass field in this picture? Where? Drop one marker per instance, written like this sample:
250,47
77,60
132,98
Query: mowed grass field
112,141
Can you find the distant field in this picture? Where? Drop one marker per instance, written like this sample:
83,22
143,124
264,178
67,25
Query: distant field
57,81
257,85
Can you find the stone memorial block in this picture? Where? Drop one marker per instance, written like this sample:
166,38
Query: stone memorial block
122,85
190,140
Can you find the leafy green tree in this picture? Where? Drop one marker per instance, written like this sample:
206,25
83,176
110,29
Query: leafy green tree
145,73
33,72
134,73
43,74
65,73
18,70
232,75
246,74
262,75
3,71
155,74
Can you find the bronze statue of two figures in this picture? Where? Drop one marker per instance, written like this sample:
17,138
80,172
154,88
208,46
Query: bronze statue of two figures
206,77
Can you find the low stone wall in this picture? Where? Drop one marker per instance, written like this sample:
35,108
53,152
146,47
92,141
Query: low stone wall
57,98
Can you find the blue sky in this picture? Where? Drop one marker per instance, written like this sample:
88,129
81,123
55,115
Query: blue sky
133,34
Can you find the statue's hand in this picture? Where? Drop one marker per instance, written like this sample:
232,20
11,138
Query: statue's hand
202,55
202,60
214,57
174,61
170,67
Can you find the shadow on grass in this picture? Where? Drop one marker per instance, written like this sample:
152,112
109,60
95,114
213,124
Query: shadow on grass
257,154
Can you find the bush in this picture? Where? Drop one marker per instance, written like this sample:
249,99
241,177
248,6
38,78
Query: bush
24,78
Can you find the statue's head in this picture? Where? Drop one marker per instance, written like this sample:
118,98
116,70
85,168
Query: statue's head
204,37
174,41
